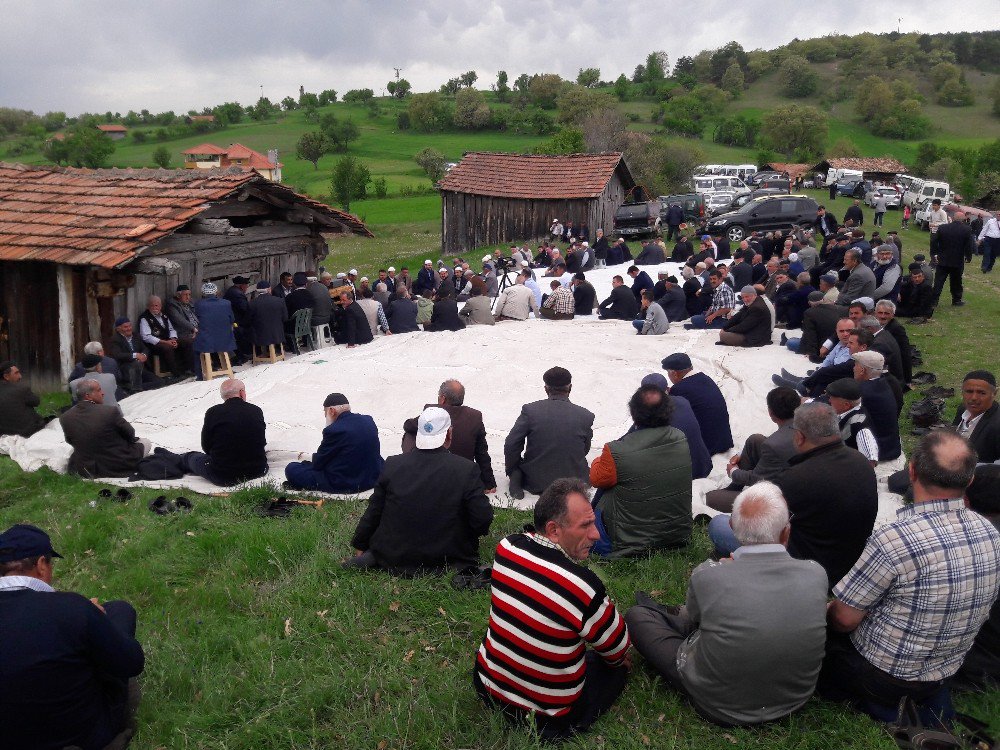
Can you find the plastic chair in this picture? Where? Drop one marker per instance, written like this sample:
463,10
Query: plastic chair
322,334
302,329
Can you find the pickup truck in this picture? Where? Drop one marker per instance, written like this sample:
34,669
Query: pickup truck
638,219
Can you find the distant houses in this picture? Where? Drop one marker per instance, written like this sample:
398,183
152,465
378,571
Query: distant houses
210,156
114,132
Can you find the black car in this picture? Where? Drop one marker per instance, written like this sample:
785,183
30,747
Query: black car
693,204
741,200
765,214
638,219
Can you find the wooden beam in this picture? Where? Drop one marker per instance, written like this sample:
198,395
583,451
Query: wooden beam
247,250
235,207
185,243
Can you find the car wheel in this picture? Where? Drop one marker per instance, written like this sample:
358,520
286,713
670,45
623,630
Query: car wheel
736,233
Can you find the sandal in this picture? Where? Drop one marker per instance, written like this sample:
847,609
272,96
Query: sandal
123,495
924,378
280,508
161,506
183,504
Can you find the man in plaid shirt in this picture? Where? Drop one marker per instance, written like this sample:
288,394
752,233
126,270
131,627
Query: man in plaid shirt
723,302
924,585
559,304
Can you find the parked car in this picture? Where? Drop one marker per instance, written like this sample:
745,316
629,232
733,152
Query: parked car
892,198
843,175
853,188
741,200
783,184
716,183
720,201
765,214
761,176
693,204
638,219
921,190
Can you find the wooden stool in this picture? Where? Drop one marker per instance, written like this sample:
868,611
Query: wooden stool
225,368
156,367
272,355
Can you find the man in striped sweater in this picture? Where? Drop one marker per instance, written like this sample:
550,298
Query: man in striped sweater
544,610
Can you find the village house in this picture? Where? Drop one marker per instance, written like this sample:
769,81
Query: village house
210,156
80,247
114,132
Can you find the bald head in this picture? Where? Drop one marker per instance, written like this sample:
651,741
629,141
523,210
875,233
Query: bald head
232,388
942,466
760,515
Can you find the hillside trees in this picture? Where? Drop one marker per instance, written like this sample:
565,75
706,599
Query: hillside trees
327,96
310,148
359,96
604,130
658,166
338,133
161,157
566,141
795,130
622,87
429,113
471,110
738,130
501,88
995,95
951,86
733,80
588,77
892,111
398,89
576,102
350,181
686,113
433,163
88,147
544,89
798,79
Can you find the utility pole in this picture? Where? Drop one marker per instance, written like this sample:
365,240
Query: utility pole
898,22
398,71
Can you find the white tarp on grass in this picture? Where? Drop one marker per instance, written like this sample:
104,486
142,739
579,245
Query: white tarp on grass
501,367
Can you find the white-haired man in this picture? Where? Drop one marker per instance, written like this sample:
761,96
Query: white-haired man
748,645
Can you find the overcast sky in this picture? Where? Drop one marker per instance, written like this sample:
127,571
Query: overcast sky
82,55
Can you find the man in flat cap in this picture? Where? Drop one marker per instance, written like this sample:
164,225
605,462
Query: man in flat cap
751,326
181,313
349,458
17,404
216,319
161,339
428,509
237,297
554,435
706,400
855,424
67,663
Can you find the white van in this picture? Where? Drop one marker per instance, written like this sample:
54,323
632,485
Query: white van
843,175
920,191
715,184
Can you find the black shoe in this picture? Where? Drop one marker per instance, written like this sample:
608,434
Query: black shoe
784,339
515,489
958,303
816,359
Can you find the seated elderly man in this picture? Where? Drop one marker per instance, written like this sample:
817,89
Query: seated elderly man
558,304
707,401
517,301
855,424
895,638
129,351
879,402
748,645
428,509
837,354
541,595
158,334
751,326
476,310
762,458
104,444
17,404
67,663
349,458
233,439
644,502
621,304
108,365
93,369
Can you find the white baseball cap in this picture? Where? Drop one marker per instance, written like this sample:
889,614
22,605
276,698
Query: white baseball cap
428,262
432,428
391,269
353,272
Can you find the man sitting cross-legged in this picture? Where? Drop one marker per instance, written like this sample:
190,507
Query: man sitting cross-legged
349,458
748,645
544,609
428,509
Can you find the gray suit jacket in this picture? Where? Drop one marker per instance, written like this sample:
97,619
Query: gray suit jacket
761,632
558,435
775,451
104,444
860,283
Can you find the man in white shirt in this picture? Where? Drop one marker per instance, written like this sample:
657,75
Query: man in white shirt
517,301
157,332
989,240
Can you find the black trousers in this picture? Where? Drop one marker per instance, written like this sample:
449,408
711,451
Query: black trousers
121,697
601,688
954,274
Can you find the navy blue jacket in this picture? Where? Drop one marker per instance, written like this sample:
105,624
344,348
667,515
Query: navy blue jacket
425,280
709,407
684,419
641,282
878,401
349,458
215,329
57,650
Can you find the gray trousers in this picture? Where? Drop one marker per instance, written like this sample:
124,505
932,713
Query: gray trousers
722,500
657,633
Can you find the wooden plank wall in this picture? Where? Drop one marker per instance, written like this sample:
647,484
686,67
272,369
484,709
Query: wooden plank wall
29,304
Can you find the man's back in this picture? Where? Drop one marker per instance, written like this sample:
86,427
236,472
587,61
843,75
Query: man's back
956,243
103,442
832,493
17,409
880,404
761,631
322,305
402,314
350,453
215,331
558,435
428,510
57,648
268,315
674,303
233,436
709,407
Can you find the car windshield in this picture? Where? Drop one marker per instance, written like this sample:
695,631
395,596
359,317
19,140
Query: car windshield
940,193
720,184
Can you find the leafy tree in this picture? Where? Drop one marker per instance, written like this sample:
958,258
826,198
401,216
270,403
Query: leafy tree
52,121
875,99
588,77
639,74
433,162
288,104
684,66
399,89
544,89
956,92
947,169
604,130
468,78
759,62
328,96
338,133
739,130
161,157
500,87
798,79
471,110
429,112
310,112
403,120
88,147
310,147
566,141
622,87
139,136
722,58
261,110
381,187
820,51
656,66
521,83
843,148
359,96
229,113
350,180
943,72
576,102
451,86
795,129
733,80
55,150
308,100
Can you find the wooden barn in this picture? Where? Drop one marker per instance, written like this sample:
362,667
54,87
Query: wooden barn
80,247
489,198
871,168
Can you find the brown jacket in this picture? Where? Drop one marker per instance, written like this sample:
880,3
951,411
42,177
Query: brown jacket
104,444
468,439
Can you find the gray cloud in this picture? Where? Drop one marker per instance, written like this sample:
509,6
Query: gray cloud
182,54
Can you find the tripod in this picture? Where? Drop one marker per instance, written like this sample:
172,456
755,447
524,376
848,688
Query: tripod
504,280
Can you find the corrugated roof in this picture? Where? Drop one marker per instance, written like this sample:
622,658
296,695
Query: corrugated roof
104,217
531,176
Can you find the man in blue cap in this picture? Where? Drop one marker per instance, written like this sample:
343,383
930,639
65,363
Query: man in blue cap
67,662
706,399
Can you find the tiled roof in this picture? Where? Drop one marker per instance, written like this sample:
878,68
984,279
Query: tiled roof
867,164
205,148
105,217
530,176
112,128
793,169
239,151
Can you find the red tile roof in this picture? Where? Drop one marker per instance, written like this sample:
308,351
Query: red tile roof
205,148
531,176
112,128
239,151
866,164
253,159
106,217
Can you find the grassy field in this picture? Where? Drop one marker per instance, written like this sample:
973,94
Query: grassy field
255,638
